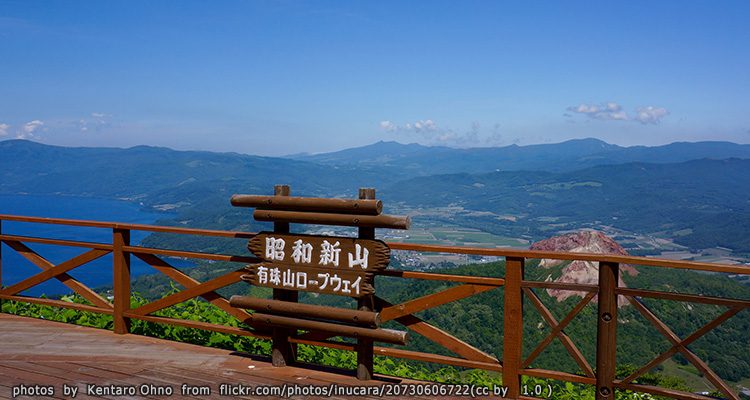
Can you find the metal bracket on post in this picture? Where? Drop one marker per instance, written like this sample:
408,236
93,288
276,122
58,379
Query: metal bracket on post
606,333
365,346
283,352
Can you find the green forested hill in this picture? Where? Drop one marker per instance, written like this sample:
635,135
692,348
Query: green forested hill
157,175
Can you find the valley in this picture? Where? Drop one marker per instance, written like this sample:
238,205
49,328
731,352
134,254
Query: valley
680,208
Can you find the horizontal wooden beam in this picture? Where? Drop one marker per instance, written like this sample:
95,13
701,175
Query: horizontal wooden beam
578,287
558,375
437,358
58,242
690,298
230,330
497,252
362,221
406,354
323,343
431,276
659,391
58,303
190,254
559,255
279,307
133,227
309,204
380,335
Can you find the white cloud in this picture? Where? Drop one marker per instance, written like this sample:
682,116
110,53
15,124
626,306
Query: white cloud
32,126
96,123
388,126
608,112
613,112
4,129
429,132
650,114
421,126
425,126
28,129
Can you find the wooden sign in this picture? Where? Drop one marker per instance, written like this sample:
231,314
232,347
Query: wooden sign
330,252
340,266
342,282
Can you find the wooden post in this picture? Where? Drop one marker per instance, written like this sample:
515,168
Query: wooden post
606,334
121,280
513,326
1,264
283,352
365,348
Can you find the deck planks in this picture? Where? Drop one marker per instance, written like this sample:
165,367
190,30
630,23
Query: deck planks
39,352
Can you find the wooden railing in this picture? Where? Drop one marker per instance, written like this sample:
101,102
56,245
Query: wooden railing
516,288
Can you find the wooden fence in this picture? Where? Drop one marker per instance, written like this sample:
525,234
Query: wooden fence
512,366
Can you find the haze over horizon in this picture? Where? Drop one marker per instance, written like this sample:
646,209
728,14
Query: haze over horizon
277,78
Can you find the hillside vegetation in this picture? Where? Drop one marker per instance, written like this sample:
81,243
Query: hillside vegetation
700,203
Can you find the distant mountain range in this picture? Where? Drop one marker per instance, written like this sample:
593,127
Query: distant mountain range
699,203
696,193
158,174
418,160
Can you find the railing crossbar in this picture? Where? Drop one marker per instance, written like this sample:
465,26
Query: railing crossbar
705,370
557,331
67,280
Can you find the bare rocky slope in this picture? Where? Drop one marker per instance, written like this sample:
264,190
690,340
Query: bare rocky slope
585,272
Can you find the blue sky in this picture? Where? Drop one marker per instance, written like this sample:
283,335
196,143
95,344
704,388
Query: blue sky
281,77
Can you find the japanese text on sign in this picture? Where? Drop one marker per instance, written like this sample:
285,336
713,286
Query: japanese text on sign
302,253
344,282
299,280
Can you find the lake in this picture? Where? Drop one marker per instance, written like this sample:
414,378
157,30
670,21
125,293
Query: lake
94,274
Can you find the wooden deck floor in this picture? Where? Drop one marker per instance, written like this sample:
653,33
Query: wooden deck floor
38,352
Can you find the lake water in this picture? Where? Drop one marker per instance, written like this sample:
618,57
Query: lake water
94,274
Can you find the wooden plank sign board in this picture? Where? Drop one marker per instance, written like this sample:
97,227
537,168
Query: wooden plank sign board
338,253
344,282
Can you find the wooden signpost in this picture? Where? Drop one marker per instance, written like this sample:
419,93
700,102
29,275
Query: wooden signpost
336,265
